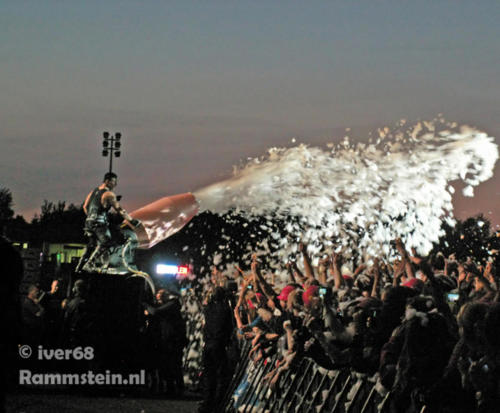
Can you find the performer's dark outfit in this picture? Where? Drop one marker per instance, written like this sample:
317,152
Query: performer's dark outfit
97,206
97,224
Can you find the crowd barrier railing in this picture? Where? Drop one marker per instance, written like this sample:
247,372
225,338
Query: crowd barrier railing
305,387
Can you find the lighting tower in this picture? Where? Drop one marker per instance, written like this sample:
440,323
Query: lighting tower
111,147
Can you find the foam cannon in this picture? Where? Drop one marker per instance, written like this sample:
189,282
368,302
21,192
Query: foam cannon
163,218
158,221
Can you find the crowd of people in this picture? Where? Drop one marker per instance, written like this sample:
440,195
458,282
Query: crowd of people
155,342
426,328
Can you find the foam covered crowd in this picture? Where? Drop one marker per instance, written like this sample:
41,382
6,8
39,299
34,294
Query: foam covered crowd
425,329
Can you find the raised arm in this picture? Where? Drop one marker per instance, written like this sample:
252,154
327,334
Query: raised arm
447,261
399,269
335,265
289,270
297,274
266,288
358,270
480,280
488,274
308,269
322,270
376,278
438,294
404,255
243,290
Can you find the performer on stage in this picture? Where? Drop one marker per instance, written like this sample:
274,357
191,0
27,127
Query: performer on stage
97,206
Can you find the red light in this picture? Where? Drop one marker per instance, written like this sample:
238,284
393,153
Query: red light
182,270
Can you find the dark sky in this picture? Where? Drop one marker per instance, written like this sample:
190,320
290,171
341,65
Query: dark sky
196,87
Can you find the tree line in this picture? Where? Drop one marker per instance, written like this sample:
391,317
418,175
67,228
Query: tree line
56,222
60,222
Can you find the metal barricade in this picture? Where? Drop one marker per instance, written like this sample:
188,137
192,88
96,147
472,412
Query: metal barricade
304,388
238,374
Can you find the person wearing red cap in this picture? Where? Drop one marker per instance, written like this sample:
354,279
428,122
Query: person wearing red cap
414,283
283,296
309,295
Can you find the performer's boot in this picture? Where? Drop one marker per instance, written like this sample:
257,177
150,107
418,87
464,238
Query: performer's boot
83,260
89,265
79,266
105,258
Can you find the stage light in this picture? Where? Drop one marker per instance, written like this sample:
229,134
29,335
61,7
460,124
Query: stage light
111,147
182,270
169,269
164,269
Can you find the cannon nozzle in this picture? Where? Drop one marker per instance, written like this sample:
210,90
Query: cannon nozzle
163,218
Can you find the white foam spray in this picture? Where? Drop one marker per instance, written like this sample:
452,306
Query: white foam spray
359,197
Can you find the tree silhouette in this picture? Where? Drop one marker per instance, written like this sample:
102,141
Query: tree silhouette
469,238
6,211
58,223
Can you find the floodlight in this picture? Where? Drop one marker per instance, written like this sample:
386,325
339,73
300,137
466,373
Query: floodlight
163,269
